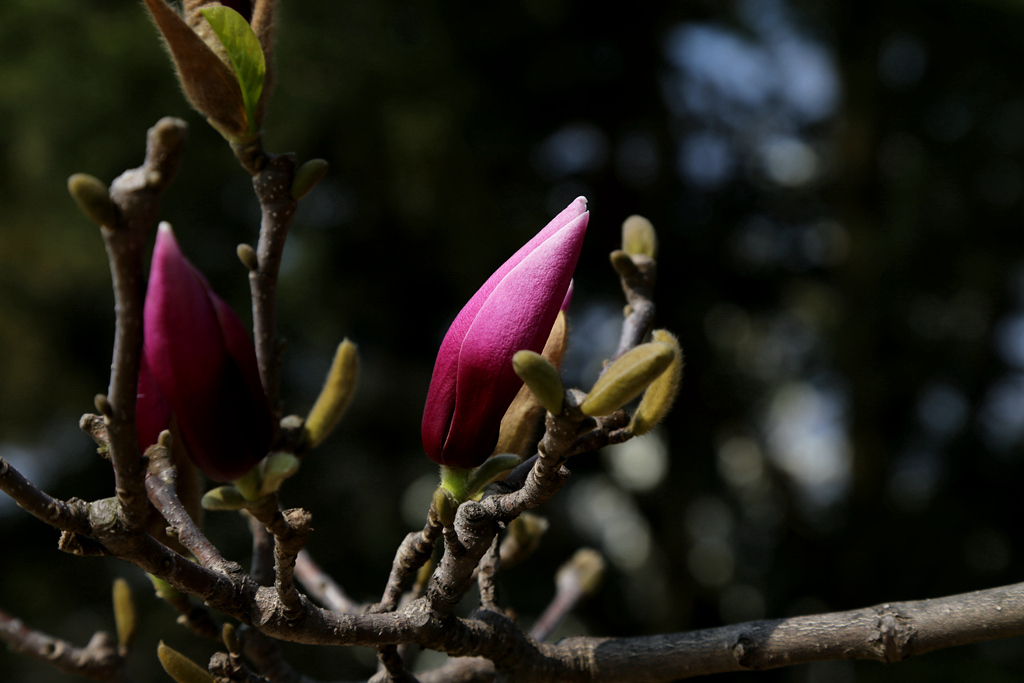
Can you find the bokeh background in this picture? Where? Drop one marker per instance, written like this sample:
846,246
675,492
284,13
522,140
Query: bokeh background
837,189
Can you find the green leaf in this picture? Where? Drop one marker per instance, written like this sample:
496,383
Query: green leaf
245,52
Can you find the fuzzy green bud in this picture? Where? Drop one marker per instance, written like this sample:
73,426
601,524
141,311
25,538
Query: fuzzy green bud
93,198
622,263
445,506
307,176
181,668
627,377
247,255
661,394
491,469
336,395
229,635
124,615
639,237
224,498
277,467
542,378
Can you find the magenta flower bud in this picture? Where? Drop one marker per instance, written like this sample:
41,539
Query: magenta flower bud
473,381
152,414
203,363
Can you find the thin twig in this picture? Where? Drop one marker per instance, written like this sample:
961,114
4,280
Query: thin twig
99,660
487,574
273,186
320,585
413,552
71,516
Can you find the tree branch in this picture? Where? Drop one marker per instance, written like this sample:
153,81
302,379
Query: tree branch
137,195
99,660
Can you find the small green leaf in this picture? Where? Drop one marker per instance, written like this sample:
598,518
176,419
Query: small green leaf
245,52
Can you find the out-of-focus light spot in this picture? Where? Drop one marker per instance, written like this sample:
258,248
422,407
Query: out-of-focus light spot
328,205
711,563
789,161
902,61
942,409
809,78
573,149
741,602
595,336
825,243
986,551
610,516
638,464
708,518
718,58
416,500
740,462
707,159
915,478
807,438
637,159
1001,416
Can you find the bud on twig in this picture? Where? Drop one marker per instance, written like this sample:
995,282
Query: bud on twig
445,506
224,498
489,470
622,263
93,198
124,615
639,237
542,378
661,394
336,395
307,176
626,377
247,255
277,467
181,668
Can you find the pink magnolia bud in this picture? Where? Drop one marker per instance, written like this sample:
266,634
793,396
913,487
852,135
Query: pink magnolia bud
473,381
202,361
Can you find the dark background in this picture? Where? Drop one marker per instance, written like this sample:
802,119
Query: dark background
837,189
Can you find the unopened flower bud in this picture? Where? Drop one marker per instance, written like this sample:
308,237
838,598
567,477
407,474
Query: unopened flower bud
627,377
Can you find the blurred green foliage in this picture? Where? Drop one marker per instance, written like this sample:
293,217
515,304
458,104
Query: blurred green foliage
871,305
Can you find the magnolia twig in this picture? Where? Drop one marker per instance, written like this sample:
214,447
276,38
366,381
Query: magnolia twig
136,193
99,660
320,585
393,669
262,568
638,287
285,551
273,185
71,516
161,486
486,576
414,551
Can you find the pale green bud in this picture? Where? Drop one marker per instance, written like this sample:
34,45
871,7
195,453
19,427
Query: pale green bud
639,237
491,469
277,467
622,263
181,668
224,498
336,395
445,506
124,615
93,198
661,394
229,635
542,378
307,176
247,255
627,377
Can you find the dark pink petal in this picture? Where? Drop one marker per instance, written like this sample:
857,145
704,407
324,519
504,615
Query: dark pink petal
152,414
473,381
197,356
